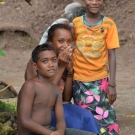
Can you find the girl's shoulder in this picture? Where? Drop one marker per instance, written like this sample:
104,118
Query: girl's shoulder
108,20
77,19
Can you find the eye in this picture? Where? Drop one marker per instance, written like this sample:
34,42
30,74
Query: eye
45,61
70,41
54,59
60,41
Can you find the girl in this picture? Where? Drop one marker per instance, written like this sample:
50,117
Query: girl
96,38
59,35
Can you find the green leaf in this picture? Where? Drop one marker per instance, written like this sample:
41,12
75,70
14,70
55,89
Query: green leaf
1,68
2,53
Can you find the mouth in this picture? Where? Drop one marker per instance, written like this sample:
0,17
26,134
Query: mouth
61,50
94,7
51,70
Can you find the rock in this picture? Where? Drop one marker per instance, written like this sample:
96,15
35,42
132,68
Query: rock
131,36
130,11
7,91
14,125
9,123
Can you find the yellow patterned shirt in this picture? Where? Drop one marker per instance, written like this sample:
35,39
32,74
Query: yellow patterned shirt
91,48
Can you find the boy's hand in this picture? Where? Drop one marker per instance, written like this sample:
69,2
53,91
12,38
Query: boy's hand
55,133
111,94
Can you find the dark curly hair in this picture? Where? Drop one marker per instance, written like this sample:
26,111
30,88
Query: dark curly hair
40,48
54,27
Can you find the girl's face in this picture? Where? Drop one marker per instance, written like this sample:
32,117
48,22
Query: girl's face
93,6
62,39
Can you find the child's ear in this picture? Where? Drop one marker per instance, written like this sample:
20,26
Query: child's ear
34,65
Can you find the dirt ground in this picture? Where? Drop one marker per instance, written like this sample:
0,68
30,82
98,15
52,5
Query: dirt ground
30,21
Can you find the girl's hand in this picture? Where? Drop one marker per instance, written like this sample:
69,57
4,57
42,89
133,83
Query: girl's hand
111,94
65,57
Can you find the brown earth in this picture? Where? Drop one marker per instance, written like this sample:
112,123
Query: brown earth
21,27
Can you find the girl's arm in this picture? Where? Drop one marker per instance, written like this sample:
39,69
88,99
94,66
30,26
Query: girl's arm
58,75
63,60
112,70
67,93
30,72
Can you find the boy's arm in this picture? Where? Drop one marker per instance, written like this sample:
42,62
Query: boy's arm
24,109
112,70
59,114
67,93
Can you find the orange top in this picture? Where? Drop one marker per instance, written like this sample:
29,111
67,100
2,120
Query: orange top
90,54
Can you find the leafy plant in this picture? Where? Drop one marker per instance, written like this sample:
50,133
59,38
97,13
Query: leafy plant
8,107
2,53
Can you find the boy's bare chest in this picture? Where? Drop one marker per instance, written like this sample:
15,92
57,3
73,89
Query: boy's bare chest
45,97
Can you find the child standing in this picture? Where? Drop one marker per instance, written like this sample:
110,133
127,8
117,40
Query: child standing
96,39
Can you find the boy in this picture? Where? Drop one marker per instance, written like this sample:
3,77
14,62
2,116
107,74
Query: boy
38,96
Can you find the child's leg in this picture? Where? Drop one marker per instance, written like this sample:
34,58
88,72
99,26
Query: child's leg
71,131
93,96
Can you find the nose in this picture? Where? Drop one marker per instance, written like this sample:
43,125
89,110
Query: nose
94,1
50,64
65,44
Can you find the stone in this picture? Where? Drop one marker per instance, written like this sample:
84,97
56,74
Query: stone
7,91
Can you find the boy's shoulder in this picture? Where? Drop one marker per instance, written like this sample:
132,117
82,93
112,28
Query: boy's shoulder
56,87
27,84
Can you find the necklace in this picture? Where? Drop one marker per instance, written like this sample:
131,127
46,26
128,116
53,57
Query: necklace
89,26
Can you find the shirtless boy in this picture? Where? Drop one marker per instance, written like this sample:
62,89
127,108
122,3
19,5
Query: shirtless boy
38,96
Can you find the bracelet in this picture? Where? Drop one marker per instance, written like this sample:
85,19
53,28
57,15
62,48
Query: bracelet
112,85
69,74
